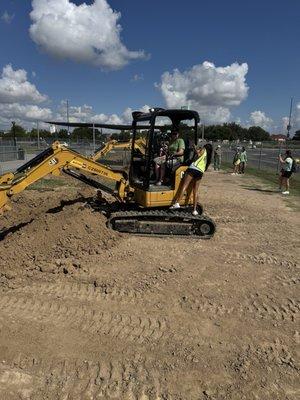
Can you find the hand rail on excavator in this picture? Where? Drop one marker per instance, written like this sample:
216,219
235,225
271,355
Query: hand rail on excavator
57,159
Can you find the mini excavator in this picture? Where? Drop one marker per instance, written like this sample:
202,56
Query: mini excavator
142,207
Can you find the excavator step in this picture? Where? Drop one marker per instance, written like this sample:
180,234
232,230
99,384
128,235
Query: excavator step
162,223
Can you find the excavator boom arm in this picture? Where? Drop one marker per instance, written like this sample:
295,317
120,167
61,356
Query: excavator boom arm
139,144
52,161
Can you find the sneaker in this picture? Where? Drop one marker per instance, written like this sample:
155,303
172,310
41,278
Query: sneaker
158,183
286,192
174,206
233,173
195,213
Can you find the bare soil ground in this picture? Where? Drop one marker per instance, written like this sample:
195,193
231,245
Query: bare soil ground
87,313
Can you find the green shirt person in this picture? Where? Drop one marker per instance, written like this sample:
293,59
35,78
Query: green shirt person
175,157
243,156
176,147
243,159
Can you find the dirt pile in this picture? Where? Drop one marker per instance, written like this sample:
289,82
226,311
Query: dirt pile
55,236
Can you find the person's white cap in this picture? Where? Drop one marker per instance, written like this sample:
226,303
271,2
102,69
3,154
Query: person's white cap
218,145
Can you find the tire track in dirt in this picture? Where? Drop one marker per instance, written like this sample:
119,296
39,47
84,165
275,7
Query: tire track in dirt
205,306
87,319
269,307
262,258
287,281
76,380
82,291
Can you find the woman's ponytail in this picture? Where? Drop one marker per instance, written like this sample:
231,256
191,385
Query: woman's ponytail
209,150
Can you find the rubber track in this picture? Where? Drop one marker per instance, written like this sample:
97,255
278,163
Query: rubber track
86,319
161,215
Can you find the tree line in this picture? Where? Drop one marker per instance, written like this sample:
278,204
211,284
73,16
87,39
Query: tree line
228,131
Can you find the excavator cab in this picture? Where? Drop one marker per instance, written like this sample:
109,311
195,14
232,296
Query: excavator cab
142,173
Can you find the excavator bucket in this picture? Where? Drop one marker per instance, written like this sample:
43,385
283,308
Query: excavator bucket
5,184
4,202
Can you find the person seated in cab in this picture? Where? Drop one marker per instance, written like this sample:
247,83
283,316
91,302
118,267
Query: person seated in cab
172,157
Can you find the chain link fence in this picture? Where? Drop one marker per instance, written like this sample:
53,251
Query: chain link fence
261,156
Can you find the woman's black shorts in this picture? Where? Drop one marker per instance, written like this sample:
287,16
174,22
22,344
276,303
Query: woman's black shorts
286,174
197,175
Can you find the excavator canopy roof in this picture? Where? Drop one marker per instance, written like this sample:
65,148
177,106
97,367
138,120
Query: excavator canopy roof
175,116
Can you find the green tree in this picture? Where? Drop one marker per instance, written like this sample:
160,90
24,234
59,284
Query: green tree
124,136
256,133
297,135
63,134
83,133
18,130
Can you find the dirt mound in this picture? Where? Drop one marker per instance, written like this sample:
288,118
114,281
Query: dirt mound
51,239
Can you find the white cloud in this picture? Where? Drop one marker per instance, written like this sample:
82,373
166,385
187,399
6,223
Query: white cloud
137,78
295,120
23,114
259,118
19,99
83,33
206,88
86,113
7,18
24,111
15,88
285,121
127,114
76,114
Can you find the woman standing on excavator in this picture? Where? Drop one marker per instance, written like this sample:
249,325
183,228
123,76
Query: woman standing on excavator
193,176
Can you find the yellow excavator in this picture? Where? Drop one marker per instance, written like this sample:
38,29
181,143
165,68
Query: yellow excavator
141,207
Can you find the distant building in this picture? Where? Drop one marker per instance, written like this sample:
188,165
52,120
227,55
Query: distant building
278,138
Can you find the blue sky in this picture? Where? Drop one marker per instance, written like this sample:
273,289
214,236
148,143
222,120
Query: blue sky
173,35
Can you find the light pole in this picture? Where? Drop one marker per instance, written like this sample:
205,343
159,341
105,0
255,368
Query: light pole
14,133
94,138
68,119
289,126
38,134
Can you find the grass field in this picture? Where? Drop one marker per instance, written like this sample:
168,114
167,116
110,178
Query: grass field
269,177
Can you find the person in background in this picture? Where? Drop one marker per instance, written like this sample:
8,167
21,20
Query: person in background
286,172
236,162
193,176
174,154
217,158
243,161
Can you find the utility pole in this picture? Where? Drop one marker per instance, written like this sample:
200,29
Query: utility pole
14,133
38,134
94,139
289,126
